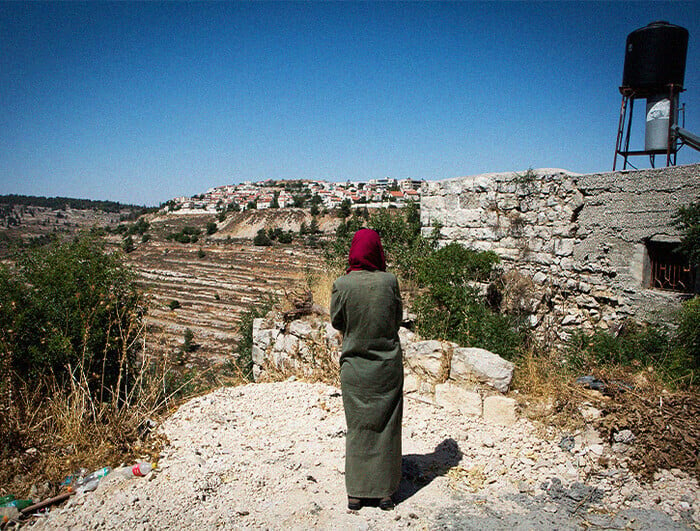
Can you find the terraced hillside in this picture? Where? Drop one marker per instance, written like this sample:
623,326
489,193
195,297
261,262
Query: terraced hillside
212,281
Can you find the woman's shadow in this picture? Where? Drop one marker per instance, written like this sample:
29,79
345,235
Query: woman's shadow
418,470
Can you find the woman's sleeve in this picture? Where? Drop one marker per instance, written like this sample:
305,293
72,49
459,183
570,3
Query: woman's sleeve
337,310
399,306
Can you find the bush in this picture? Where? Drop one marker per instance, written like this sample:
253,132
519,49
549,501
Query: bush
188,345
451,308
128,244
673,354
687,219
686,340
187,235
70,307
211,227
174,304
262,239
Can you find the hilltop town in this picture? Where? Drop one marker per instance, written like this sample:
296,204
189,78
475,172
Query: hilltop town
298,193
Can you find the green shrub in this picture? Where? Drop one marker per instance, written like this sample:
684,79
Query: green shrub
686,339
451,307
128,244
634,345
188,345
687,219
673,352
70,307
187,235
262,239
174,304
286,237
211,227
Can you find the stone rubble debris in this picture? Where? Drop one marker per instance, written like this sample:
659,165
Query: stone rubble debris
272,456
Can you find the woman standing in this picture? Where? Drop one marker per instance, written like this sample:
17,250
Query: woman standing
366,308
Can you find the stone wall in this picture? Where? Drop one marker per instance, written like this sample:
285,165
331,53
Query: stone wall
465,380
574,246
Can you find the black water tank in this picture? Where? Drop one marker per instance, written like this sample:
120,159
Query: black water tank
655,56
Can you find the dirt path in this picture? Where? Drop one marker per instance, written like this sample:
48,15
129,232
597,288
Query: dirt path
272,456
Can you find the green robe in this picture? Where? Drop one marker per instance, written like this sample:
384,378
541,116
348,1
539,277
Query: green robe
366,308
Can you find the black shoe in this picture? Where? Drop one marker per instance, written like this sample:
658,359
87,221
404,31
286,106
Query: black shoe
386,504
354,504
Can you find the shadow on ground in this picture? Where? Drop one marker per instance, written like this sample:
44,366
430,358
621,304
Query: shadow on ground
418,470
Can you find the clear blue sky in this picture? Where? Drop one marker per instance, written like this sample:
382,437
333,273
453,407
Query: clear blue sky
142,102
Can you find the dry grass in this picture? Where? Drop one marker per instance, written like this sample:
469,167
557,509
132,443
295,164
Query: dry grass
321,366
50,431
321,285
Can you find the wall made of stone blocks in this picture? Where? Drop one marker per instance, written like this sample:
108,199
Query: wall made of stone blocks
581,239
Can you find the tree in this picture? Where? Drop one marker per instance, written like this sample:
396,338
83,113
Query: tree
275,203
188,345
261,239
313,228
128,244
344,209
252,205
211,228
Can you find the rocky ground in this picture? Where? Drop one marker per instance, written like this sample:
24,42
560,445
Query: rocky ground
272,456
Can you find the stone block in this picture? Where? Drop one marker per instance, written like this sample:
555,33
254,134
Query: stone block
455,398
500,410
301,328
406,337
429,359
486,367
410,382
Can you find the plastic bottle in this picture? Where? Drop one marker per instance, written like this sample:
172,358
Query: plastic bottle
91,481
10,501
138,470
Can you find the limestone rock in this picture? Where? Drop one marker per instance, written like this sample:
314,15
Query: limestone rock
429,359
500,410
469,364
455,398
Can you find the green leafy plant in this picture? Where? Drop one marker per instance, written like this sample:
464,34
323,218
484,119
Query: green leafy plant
128,244
262,239
451,307
70,307
687,220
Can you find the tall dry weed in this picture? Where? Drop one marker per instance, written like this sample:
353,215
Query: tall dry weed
321,285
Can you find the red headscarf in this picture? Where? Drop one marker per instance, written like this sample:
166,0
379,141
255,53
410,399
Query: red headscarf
366,252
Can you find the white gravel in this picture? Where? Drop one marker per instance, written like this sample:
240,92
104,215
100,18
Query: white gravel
272,456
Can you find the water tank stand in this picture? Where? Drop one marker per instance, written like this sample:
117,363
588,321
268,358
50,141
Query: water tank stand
622,143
